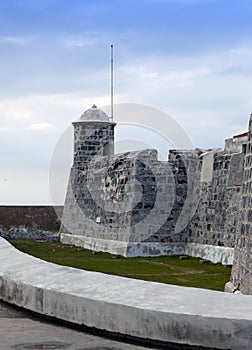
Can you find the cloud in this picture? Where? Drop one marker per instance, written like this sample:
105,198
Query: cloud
14,40
16,109
37,112
4,128
40,126
78,41
162,77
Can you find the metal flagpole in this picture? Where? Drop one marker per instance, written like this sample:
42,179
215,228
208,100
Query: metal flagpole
112,83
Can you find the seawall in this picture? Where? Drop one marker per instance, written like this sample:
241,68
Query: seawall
42,217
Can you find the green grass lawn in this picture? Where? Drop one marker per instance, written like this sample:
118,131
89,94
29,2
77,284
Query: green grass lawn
170,270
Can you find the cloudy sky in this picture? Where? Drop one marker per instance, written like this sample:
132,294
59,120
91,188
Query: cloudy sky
188,58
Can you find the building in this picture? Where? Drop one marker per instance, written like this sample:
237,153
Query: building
131,204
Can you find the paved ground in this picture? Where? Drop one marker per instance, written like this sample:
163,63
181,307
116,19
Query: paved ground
20,330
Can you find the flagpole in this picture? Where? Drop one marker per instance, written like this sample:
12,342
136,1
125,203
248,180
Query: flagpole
112,83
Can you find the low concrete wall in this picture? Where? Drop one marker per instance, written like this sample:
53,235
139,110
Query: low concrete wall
135,308
223,255
124,248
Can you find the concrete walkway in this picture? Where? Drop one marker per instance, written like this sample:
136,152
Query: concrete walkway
130,307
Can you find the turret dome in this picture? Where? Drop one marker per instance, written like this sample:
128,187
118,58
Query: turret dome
94,114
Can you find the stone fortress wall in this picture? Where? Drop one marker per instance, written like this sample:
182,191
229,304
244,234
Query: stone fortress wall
241,278
216,218
32,217
131,204
197,203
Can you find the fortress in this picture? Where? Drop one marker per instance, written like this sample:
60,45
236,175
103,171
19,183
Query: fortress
198,203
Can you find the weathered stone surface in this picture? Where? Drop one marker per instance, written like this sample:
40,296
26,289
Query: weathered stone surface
198,202
23,233
242,269
2,233
132,197
216,219
33,217
224,255
230,288
114,202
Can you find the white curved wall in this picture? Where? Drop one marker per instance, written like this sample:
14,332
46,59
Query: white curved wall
127,306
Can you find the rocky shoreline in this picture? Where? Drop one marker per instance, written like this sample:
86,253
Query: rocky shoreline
24,233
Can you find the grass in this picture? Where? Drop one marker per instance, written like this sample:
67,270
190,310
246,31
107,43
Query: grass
172,270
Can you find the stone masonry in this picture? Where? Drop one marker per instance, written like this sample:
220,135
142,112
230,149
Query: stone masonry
242,268
32,217
216,217
132,204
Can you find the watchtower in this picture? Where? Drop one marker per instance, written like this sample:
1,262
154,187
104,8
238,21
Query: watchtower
93,136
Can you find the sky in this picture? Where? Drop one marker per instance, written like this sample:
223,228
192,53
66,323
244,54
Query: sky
190,59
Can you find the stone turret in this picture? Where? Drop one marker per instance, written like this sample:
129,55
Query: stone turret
93,136
93,139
